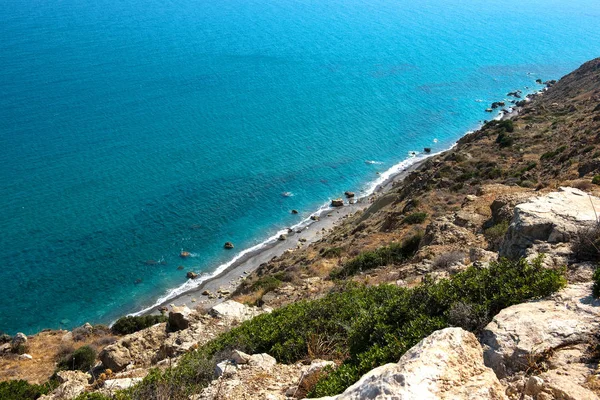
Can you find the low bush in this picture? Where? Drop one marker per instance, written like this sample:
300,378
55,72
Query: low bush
130,324
82,359
332,252
596,180
504,140
394,253
495,234
23,390
364,326
415,218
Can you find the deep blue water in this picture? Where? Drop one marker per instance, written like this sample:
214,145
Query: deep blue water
130,130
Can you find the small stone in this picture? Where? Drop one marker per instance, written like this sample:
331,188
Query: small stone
240,357
337,203
185,254
294,211
349,195
282,237
179,267
314,218
228,245
206,293
534,385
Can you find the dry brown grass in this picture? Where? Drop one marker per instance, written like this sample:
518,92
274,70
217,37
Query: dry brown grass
45,348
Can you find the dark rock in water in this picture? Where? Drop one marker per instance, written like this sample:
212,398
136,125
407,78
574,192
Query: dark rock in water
179,267
191,275
184,254
282,237
228,245
538,81
516,93
427,150
550,83
138,281
349,194
497,104
489,110
337,203
150,262
294,211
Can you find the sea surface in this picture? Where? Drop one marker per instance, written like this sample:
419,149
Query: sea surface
132,130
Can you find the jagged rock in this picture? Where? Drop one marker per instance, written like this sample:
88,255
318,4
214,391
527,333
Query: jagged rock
522,331
314,217
448,364
337,203
240,357
233,310
282,237
444,232
553,218
504,205
263,361
349,195
228,245
111,385
179,318
138,348
225,367
72,384
294,211
20,339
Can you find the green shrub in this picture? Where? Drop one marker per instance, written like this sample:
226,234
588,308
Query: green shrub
23,390
130,324
332,252
82,359
415,218
554,153
267,283
394,253
504,140
596,279
596,180
365,326
495,234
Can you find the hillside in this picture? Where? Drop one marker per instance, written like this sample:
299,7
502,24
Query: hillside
452,251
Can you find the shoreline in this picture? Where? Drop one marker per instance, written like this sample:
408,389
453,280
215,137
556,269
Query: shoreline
228,276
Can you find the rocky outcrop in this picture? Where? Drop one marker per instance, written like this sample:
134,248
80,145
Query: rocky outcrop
137,348
448,364
445,232
72,384
337,203
521,334
504,205
552,221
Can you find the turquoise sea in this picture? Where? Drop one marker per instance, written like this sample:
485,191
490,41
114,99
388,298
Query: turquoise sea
132,130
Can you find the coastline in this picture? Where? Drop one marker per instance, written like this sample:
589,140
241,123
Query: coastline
227,277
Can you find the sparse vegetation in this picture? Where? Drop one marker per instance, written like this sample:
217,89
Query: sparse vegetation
415,218
495,234
130,324
596,279
332,252
596,180
23,390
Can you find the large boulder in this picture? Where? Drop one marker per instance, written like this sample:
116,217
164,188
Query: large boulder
551,220
445,232
448,364
520,334
503,206
232,310
180,318
139,348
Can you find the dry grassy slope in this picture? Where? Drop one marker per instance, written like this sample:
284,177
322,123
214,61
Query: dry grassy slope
555,142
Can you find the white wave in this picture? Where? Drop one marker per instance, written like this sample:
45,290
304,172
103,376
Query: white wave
371,162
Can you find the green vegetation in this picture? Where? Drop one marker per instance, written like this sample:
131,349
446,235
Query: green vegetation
551,154
394,253
332,252
596,279
415,218
129,324
23,390
495,234
596,180
82,359
504,140
268,282
364,326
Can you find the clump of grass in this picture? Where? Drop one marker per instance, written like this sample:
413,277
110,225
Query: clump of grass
332,252
82,359
596,180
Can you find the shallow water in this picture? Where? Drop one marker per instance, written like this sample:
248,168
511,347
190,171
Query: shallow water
131,130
